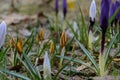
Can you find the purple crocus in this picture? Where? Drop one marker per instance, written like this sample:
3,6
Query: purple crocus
64,8
104,16
117,5
56,6
112,11
117,15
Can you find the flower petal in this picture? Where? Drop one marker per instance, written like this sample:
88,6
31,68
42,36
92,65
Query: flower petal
92,10
2,33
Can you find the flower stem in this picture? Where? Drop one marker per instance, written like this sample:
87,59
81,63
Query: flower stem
103,42
103,71
61,59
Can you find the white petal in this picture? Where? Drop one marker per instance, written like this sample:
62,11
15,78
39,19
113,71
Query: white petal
2,33
75,26
46,66
92,11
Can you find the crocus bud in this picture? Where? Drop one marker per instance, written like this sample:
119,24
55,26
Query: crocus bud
64,8
112,11
63,39
37,38
51,47
12,43
2,33
75,26
46,67
117,18
104,16
117,5
92,14
41,34
19,46
92,10
56,6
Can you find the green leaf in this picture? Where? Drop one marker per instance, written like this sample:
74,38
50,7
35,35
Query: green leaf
14,74
30,46
43,48
30,66
25,65
114,15
88,54
55,78
109,47
28,39
72,29
77,61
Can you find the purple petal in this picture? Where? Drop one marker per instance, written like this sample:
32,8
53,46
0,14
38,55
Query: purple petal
64,7
104,15
56,6
112,10
117,5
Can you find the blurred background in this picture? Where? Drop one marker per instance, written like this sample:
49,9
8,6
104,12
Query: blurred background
31,7
23,15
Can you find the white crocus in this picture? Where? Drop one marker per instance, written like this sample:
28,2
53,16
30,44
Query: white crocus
46,67
75,26
92,10
2,33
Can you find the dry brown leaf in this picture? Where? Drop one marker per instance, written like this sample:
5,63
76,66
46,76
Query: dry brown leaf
83,67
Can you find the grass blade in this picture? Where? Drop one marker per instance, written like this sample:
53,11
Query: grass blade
109,47
14,74
31,67
88,54
77,61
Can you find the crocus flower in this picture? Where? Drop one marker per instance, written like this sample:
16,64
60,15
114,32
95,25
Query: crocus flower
112,11
64,8
104,16
2,33
92,14
46,67
117,5
56,6
92,10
